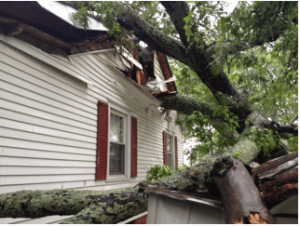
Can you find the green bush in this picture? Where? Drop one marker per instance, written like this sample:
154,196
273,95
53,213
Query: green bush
159,171
183,166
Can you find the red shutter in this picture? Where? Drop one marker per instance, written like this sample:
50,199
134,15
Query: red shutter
165,148
102,140
176,154
133,147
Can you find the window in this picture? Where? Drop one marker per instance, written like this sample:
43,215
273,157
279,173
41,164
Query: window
170,154
170,150
116,143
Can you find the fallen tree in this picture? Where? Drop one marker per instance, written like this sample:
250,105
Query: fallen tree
89,207
207,60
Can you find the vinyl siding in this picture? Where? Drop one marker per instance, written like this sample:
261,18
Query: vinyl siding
48,120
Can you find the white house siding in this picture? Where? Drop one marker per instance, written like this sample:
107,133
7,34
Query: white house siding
48,121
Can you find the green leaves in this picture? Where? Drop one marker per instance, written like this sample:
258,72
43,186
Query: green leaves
120,10
187,27
81,15
158,172
265,139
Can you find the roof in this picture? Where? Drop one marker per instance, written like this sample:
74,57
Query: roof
189,197
65,13
46,16
37,23
276,167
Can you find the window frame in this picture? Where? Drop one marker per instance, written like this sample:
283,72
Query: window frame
123,112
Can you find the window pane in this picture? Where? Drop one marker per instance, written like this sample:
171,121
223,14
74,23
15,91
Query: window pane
170,159
116,128
170,150
116,159
169,144
120,123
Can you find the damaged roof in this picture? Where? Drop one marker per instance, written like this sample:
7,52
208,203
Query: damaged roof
277,170
45,16
37,23
189,197
276,167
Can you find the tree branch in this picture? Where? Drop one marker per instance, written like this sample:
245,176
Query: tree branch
90,206
130,20
117,208
259,121
177,12
186,105
280,128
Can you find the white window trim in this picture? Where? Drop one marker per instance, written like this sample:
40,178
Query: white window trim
112,106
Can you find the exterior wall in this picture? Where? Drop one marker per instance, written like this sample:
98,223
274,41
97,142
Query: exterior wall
286,212
48,120
165,210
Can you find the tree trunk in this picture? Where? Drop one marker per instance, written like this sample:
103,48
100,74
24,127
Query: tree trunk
240,196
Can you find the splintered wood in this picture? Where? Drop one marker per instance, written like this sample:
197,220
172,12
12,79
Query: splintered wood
254,218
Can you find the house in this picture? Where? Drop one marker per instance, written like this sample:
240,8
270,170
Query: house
277,181
74,113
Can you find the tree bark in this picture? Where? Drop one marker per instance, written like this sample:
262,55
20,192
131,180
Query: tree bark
178,11
89,206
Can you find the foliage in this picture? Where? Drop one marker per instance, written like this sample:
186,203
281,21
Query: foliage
159,171
265,139
269,73
183,166
208,139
